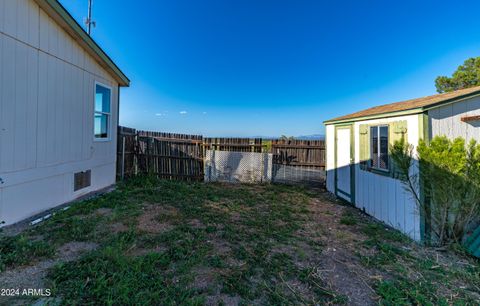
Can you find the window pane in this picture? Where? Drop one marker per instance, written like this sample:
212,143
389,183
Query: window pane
102,99
101,126
383,147
374,146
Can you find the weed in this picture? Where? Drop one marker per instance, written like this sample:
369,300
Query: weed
431,281
376,231
256,243
348,219
20,250
404,292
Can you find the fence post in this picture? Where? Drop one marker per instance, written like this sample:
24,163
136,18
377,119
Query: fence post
135,155
123,157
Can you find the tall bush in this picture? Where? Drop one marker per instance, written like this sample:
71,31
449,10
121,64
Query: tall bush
449,179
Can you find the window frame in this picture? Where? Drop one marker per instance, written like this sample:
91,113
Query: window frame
371,167
109,114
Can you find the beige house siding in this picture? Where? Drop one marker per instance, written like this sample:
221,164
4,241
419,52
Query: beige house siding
47,86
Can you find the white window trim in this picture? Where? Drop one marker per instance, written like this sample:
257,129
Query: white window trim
378,148
109,126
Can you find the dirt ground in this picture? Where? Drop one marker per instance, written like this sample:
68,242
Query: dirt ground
221,244
34,276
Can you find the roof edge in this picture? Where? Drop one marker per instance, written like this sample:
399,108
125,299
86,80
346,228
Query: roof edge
411,111
452,100
56,11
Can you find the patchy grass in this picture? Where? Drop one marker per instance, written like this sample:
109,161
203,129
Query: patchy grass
162,242
418,275
20,250
348,218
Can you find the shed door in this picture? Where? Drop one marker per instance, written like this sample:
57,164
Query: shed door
344,161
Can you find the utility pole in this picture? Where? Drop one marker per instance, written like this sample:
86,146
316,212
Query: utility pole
89,22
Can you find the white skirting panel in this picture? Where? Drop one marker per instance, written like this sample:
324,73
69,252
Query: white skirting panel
24,200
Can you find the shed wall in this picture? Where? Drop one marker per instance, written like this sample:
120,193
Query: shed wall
384,197
47,86
380,196
330,157
445,120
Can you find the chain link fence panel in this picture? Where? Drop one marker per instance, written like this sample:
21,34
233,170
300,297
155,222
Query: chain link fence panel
238,167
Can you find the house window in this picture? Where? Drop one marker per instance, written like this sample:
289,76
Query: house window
102,112
379,147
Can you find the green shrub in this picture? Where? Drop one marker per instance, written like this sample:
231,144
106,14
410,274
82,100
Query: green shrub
450,179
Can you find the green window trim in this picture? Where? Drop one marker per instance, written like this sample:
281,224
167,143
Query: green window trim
396,131
375,162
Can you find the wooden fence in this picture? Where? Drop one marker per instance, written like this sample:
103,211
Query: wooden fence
298,161
167,155
126,152
181,156
170,156
307,153
234,144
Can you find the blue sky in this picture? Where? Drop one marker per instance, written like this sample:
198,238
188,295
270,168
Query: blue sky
273,67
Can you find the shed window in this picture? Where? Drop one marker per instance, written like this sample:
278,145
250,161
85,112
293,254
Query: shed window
379,147
102,112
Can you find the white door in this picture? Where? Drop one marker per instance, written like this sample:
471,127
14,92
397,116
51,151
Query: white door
343,166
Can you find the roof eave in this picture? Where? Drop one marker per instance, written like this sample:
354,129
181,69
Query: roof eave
452,100
406,112
56,11
377,116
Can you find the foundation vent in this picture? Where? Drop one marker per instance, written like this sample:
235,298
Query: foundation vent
82,180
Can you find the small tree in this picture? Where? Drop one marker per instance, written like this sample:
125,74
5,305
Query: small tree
450,180
466,75
286,138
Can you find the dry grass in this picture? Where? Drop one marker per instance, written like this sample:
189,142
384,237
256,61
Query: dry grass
165,242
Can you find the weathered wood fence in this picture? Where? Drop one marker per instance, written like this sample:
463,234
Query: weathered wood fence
170,156
305,153
298,161
167,155
234,144
181,156
126,152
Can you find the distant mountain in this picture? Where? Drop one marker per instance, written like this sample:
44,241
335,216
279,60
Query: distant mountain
311,137
303,137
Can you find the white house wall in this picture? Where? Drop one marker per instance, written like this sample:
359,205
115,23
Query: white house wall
446,121
47,86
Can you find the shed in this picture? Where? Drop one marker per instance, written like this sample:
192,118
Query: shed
358,164
59,98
